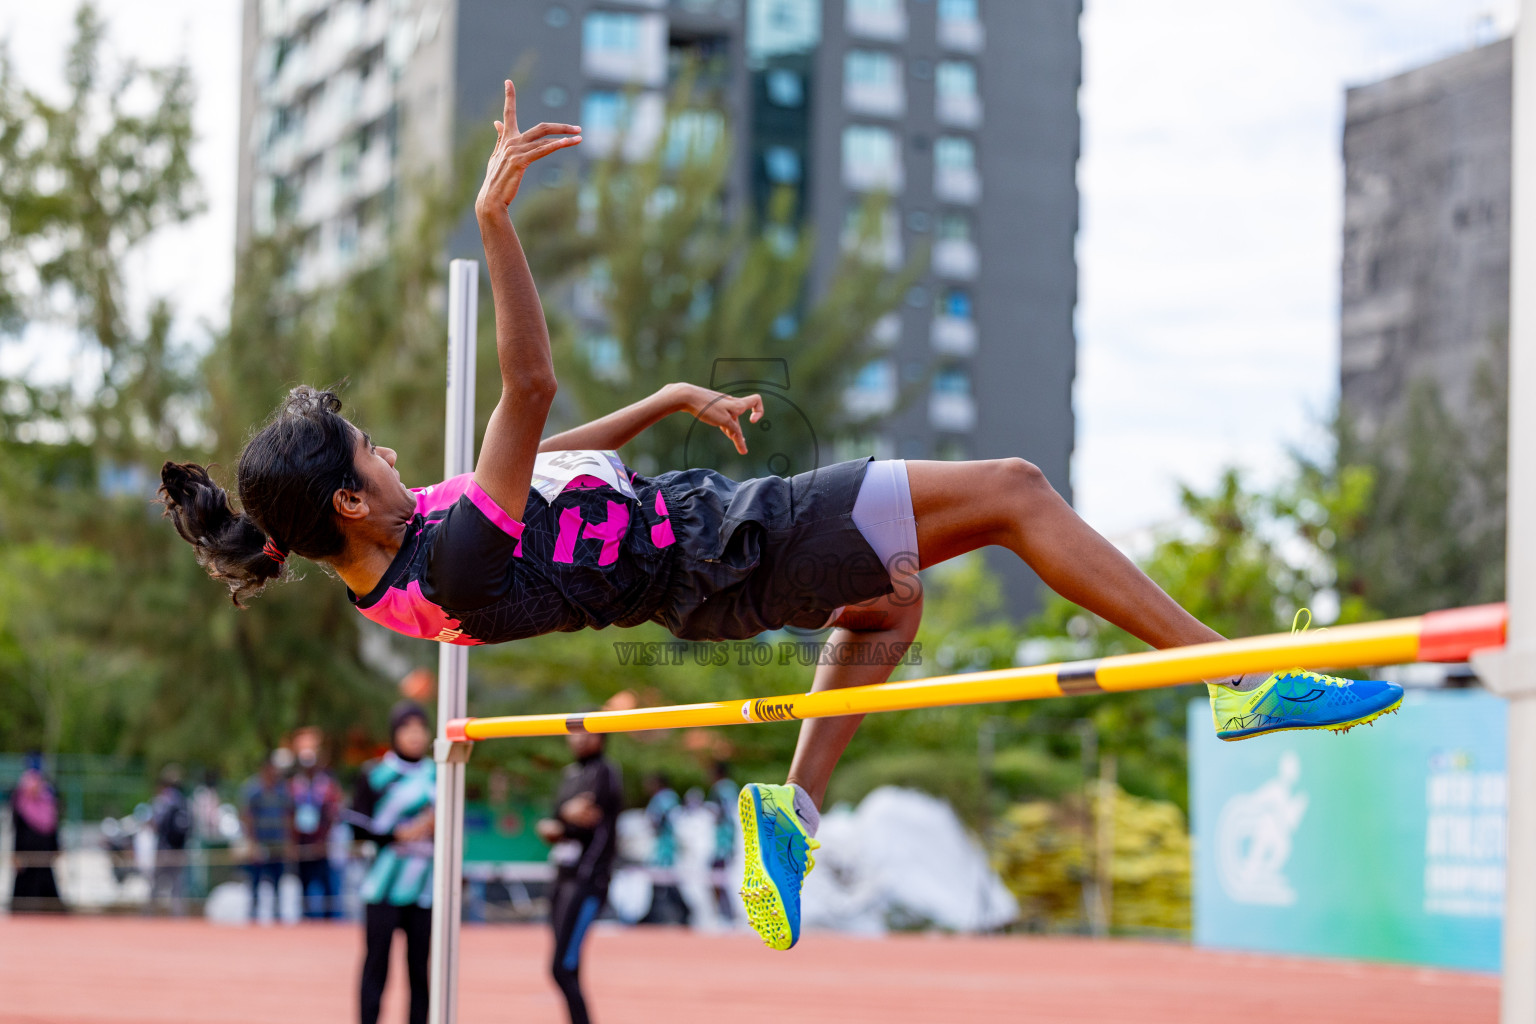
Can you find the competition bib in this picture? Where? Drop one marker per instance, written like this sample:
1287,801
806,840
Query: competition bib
554,471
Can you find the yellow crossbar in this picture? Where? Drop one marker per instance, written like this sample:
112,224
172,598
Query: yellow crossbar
1438,636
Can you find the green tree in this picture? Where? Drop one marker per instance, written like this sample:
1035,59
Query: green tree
1432,535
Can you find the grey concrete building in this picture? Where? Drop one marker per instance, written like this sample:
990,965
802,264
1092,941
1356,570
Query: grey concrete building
963,111
1425,276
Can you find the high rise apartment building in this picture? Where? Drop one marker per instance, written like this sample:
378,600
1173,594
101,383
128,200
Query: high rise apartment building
962,112
1425,280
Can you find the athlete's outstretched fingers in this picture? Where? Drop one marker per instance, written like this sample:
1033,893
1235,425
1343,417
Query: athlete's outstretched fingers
544,128
550,147
509,106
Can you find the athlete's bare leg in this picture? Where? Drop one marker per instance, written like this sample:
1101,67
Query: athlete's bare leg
962,506
884,626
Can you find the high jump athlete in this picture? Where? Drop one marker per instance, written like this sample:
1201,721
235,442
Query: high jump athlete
557,534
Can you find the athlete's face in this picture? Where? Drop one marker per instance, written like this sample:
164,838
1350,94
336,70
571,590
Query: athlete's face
376,466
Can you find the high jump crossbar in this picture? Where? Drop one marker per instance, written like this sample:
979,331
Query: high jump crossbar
1447,636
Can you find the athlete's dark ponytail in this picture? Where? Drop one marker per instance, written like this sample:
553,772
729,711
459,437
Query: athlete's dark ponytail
286,477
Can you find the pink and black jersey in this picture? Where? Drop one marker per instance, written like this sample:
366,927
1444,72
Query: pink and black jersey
708,557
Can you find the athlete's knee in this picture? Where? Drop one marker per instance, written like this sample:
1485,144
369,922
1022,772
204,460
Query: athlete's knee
1023,481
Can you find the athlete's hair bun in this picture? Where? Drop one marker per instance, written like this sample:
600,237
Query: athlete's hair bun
229,544
287,476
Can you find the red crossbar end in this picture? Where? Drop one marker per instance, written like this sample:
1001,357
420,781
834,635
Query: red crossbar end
1452,635
455,730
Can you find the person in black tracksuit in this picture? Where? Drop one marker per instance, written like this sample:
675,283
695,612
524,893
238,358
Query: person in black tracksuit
583,832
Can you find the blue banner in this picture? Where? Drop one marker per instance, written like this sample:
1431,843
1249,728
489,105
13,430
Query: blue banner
1386,843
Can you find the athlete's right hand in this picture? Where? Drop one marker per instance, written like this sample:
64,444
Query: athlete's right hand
514,151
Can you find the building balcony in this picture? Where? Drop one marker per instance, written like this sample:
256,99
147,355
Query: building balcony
966,35
956,259
953,335
961,185
886,332
374,98
887,22
873,393
888,100
375,170
962,111
952,413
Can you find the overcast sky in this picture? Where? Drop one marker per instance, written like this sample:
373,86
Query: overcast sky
1211,199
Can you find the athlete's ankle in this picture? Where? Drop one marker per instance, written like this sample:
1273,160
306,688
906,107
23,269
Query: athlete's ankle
806,809
1241,683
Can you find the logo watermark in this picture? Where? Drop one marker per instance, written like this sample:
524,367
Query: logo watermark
761,653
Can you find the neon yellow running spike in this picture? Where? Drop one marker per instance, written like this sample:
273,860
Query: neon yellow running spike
1300,700
778,857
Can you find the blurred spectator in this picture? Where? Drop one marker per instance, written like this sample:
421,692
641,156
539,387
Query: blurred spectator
266,812
35,818
667,906
207,831
723,795
393,807
172,822
582,832
316,807
206,810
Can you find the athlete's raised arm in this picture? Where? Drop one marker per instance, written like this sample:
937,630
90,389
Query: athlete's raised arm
505,466
621,427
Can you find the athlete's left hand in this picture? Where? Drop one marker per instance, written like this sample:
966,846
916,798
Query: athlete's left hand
724,411
515,150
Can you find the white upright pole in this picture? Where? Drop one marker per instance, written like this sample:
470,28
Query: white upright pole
1514,674
453,662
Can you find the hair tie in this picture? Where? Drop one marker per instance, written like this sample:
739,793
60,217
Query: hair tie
272,551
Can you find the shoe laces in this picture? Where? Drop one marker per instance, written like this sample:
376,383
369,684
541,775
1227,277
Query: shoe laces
1304,625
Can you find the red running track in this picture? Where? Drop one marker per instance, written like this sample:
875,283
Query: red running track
143,971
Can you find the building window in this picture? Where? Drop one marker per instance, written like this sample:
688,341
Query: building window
877,19
955,179
871,159
785,88
952,380
954,254
960,26
625,47
782,165
951,407
956,99
953,153
603,112
955,302
779,27
954,227
693,135
607,116
872,83
873,391
874,234
955,78
609,32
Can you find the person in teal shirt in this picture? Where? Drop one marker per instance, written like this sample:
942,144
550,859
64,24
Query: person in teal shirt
393,806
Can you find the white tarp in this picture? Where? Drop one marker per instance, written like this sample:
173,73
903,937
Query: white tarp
902,859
